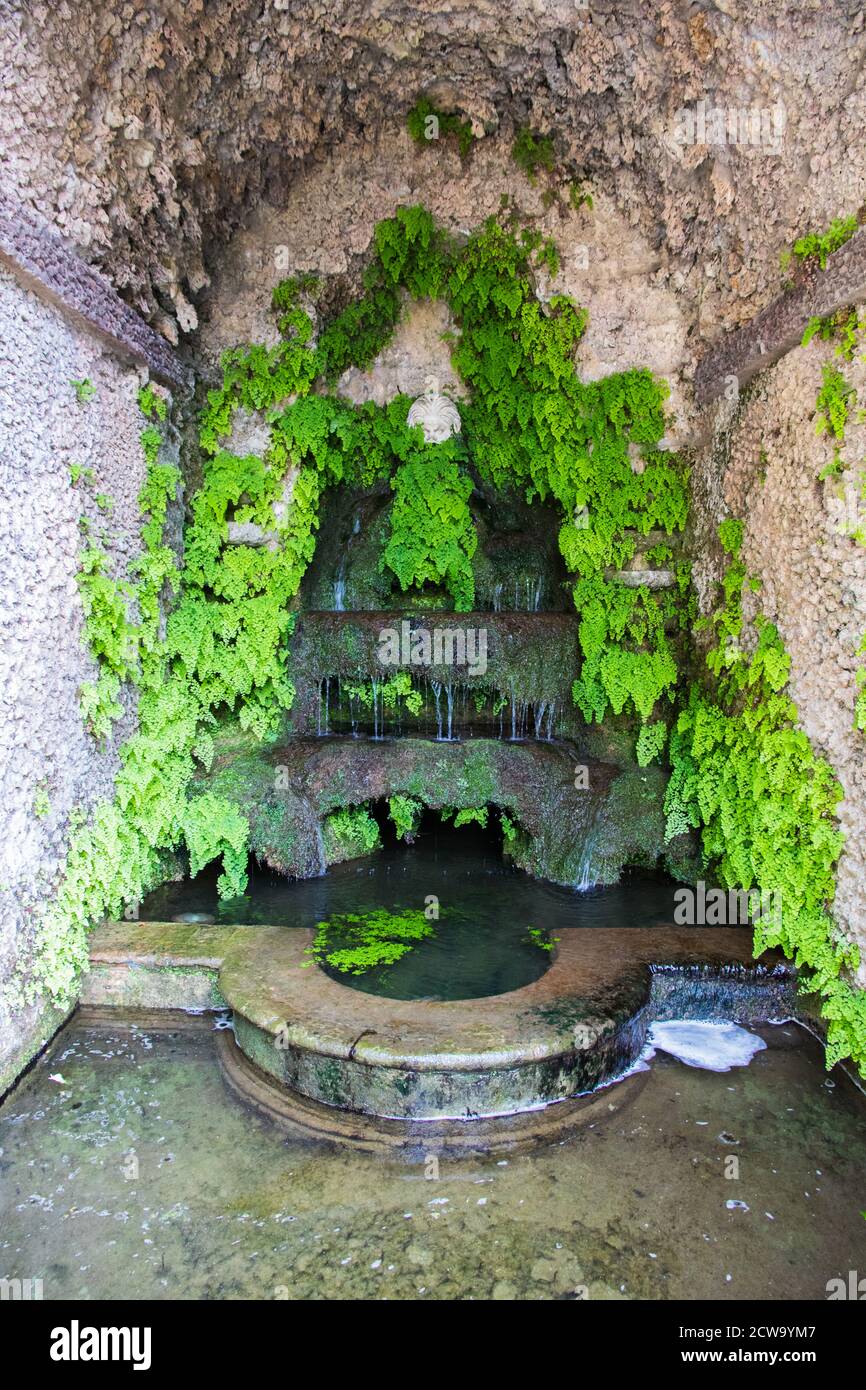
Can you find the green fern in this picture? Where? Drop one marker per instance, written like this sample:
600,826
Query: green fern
747,777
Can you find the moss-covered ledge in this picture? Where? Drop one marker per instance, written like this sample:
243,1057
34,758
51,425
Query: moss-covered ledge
579,819
157,965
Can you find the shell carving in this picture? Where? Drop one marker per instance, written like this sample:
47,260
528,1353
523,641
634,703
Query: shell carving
436,414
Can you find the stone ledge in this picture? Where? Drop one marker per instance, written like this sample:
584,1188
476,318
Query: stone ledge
40,259
780,327
643,579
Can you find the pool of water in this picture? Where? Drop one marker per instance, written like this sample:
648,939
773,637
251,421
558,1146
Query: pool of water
469,955
481,943
128,1171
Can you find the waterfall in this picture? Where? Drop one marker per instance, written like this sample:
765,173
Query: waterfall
539,717
437,691
320,846
551,710
340,577
585,875
340,586
519,714
323,726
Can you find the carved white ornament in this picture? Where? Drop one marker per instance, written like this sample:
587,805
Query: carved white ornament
436,414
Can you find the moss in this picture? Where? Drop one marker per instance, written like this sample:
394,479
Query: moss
330,1077
528,656
426,124
555,830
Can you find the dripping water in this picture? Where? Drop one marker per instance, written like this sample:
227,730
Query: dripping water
585,877
437,691
340,577
340,586
320,846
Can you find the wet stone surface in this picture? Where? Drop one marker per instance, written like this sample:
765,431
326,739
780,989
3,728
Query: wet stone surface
137,1175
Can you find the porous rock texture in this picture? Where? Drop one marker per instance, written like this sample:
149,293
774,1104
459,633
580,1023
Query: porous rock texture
568,835
326,227
798,542
49,763
148,131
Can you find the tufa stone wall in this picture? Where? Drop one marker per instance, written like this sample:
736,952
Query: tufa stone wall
49,764
147,133
326,227
763,466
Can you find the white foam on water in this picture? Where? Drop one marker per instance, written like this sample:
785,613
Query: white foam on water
711,1046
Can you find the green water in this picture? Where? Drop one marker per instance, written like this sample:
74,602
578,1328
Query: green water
468,955
140,1176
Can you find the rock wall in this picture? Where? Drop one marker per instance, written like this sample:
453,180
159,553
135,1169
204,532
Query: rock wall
763,466
286,789
325,226
49,764
149,133
175,145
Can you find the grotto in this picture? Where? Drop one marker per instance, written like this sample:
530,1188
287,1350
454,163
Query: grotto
434,625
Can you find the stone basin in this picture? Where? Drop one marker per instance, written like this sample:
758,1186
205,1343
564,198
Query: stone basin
578,1027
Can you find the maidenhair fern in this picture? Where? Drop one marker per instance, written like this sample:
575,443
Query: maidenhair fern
747,777
821,245
433,536
349,833
530,424
405,812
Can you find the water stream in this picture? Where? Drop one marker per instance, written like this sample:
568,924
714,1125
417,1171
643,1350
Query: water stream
340,576
523,595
